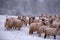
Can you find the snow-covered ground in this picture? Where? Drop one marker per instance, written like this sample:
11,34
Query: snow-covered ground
22,34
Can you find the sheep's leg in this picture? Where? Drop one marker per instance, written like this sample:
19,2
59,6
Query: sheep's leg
26,24
45,35
39,35
31,32
9,28
37,31
29,21
15,27
12,27
19,28
54,36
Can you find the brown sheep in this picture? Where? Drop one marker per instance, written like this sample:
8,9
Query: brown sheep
34,27
51,31
13,23
17,24
35,21
8,23
56,23
45,22
42,29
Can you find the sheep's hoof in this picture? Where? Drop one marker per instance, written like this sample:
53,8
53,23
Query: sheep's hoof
26,24
39,35
37,32
54,37
8,28
18,28
45,36
30,32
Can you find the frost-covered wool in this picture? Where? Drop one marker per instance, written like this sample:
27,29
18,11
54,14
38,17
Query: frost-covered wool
9,23
13,23
51,32
34,27
42,29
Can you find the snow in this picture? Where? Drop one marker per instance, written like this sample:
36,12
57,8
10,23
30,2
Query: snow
36,18
22,34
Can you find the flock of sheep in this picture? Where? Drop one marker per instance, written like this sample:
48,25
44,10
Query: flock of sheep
49,25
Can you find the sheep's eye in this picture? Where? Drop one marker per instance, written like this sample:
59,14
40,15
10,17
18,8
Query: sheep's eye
59,26
53,26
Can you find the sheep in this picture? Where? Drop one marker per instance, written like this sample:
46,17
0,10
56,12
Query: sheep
42,29
45,22
34,27
17,24
8,23
36,21
31,20
56,23
13,23
25,18
51,31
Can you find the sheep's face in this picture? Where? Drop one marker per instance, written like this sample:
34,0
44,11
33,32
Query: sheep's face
8,22
22,20
19,17
43,19
33,18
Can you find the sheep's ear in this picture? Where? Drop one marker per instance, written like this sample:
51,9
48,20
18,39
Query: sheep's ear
7,19
22,20
19,17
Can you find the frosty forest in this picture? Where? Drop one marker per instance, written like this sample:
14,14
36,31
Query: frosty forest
29,7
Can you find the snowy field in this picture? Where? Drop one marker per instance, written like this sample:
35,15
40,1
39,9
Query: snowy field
22,34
